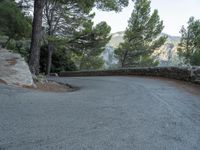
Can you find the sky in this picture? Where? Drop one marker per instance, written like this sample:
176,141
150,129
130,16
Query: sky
174,13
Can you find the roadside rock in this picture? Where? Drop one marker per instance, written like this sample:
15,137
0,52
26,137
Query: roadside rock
14,70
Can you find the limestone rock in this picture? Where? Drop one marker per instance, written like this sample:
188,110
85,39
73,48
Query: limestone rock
14,70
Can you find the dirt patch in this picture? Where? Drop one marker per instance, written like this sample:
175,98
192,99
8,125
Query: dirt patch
11,62
2,82
183,85
189,87
49,86
54,87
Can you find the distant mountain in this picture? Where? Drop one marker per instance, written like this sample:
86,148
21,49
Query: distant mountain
172,39
166,55
116,39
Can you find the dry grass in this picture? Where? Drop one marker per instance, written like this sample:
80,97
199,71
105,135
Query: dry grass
53,87
183,85
2,81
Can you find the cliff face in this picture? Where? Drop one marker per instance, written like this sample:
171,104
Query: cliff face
116,39
166,55
14,70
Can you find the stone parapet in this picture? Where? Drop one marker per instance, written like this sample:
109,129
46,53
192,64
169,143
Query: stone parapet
191,74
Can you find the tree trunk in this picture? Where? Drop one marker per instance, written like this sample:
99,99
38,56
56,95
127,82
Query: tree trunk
124,59
34,59
50,53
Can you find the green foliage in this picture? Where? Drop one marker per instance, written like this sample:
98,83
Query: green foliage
147,61
23,47
91,63
83,48
105,5
11,45
189,47
60,21
20,46
142,36
61,60
90,44
195,59
73,26
68,28
13,23
109,5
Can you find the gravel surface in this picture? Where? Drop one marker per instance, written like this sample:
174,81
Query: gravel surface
106,113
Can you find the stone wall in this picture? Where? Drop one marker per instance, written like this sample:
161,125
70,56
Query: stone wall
190,74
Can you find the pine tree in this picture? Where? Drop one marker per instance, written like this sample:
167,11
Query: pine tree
189,47
90,44
61,20
142,36
13,23
34,60
39,5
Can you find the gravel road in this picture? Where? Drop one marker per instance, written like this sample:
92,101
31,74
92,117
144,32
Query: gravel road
106,113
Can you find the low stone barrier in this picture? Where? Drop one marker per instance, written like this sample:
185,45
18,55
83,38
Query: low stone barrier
190,74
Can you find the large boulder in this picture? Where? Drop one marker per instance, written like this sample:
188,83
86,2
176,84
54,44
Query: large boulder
14,70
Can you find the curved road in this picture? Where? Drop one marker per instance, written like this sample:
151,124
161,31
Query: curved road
107,113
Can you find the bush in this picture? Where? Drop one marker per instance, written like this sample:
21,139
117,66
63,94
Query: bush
61,60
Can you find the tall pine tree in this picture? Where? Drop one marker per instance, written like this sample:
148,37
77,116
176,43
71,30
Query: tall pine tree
189,47
142,36
34,59
89,45
39,5
62,20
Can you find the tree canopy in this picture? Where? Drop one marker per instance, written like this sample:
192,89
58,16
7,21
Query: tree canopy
189,47
13,23
142,36
86,6
90,44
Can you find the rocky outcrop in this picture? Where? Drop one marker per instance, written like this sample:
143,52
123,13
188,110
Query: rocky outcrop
14,70
190,74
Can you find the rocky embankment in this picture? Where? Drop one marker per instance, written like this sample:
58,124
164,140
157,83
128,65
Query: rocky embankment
14,70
